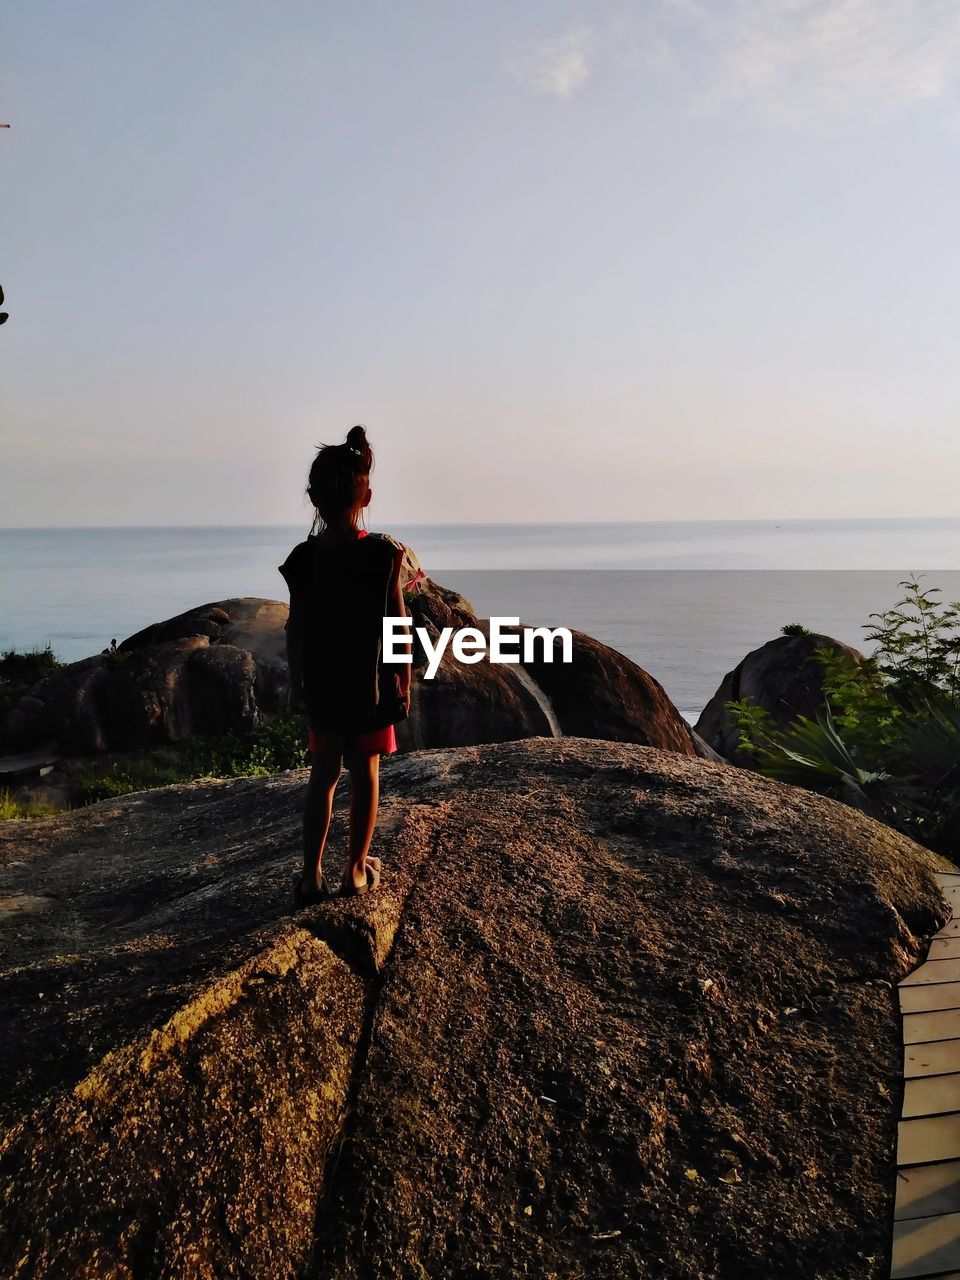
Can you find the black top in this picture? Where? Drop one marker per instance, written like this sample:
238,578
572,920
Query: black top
339,596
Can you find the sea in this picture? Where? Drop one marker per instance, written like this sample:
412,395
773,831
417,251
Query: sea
684,599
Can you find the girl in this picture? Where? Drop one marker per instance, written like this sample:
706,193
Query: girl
342,584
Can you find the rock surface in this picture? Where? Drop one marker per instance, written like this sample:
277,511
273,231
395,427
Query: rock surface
465,705
208,671
249,624
602,694
613,1012
782,676
221,667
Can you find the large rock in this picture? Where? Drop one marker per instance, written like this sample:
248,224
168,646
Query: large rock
782,676
602,694
141,698
465,705
613,1012
211,670
250,624
222,667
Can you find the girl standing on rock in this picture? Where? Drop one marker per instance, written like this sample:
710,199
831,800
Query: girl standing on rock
342,584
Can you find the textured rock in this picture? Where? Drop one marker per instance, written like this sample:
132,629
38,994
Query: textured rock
464,705
782,676
67,707
614,1012
146,699
223,666
248,623
222,682
211,670
602,694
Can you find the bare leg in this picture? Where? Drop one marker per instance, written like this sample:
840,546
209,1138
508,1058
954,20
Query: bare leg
317,808
364,799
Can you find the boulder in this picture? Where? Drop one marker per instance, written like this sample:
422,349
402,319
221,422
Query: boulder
468,705
782,676
223,681
147,702
613,1011
249,623
465,705
222,667
602,694
211,670
65,707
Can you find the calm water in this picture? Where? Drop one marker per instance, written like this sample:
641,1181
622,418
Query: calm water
686,600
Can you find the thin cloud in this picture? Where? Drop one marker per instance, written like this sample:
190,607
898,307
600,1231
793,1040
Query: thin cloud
554,65
824,59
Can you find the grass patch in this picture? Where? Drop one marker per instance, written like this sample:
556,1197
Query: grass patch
11,808
19,672
278,744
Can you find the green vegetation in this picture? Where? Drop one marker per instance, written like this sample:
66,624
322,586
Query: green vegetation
13,808
278,744
28,667
794,629
888,738
19,672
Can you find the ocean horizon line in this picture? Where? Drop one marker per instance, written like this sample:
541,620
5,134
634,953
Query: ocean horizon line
652,590
777,521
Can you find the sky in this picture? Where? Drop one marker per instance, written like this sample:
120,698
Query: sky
663,260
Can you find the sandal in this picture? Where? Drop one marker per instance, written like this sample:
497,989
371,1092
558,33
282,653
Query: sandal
311,897
351,890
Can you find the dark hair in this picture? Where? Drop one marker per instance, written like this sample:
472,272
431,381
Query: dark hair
338,479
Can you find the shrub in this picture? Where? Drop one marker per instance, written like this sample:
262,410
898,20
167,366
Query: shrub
20,671
278,744
11,808
28,666
887,740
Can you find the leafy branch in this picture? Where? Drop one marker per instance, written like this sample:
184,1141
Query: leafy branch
887,739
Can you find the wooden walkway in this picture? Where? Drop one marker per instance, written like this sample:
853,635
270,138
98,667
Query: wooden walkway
926,1229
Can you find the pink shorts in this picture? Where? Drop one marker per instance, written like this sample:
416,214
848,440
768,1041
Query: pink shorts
378,742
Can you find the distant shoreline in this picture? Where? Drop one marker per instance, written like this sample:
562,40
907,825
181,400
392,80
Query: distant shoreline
727,521
684,600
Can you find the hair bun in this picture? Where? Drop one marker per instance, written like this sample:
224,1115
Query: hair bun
357,440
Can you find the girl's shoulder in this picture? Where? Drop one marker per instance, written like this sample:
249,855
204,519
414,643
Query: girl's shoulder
410,572
385,539
295,562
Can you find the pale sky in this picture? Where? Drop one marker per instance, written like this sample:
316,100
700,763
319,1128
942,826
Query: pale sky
673,259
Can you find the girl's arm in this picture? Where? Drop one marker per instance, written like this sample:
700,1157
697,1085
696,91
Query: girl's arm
398,609
294,630
292,573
